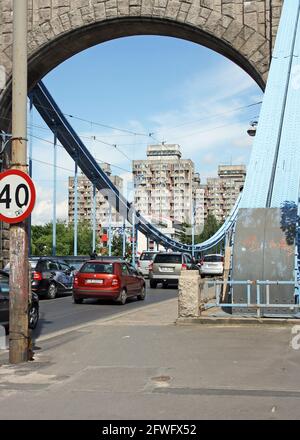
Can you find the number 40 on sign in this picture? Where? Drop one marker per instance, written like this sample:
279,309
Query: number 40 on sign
17,196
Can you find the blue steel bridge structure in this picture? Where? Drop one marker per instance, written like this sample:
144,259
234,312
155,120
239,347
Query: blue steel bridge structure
260,223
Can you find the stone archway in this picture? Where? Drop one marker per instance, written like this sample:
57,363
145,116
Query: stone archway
241,30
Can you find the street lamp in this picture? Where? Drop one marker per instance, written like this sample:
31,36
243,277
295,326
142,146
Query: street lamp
193,227
252,129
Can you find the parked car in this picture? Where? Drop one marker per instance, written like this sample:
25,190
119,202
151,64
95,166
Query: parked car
212,264
52,276
108,279
145,260
33,311
166,267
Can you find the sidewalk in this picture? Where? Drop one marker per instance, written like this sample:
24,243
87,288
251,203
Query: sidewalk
140,365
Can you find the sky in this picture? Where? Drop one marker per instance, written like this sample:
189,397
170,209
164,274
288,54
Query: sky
173,90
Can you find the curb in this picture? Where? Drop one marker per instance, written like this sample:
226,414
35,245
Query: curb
279,322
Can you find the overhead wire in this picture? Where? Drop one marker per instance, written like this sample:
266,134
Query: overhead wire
61,146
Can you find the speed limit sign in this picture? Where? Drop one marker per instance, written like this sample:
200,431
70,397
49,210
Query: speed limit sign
17,196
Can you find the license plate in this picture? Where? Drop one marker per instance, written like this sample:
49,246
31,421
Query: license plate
167,269
94,281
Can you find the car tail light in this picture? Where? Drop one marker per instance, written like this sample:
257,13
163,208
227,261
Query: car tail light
115,282
75,282
151,266
183,266
138,263
37,276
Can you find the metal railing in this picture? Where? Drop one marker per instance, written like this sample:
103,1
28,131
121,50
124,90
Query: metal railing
258,305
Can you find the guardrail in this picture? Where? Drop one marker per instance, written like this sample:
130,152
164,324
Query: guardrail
249,284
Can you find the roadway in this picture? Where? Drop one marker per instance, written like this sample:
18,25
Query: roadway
61,313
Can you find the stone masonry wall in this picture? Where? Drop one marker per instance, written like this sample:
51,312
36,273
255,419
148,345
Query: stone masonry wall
247,26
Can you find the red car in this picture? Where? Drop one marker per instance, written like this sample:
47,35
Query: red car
109,279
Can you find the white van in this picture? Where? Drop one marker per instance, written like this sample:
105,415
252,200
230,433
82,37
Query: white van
145,260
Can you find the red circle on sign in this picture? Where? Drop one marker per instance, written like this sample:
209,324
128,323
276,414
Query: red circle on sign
30,183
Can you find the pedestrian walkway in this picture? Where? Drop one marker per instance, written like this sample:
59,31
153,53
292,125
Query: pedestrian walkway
140,365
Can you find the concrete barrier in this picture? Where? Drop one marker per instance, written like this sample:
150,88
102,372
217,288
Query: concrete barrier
189,294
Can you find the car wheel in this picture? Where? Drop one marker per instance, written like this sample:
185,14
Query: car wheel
77,300
165,285
122,297
141,296
52,291
33,316
153,284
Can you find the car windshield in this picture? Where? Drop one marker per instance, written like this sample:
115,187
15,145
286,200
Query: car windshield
213,259
167,258
147,256
97,268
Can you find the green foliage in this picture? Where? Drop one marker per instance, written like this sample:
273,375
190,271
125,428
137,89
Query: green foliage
210,228
117,246
185,236
41,239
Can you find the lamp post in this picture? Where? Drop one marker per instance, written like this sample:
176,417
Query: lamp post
94,218
75,207
252,130
193,228
54,193
133,238
124,240
109,230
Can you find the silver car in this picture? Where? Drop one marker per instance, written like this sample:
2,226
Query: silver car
145,261
212,264
167,266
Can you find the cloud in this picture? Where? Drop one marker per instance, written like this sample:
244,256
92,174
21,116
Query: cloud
199,116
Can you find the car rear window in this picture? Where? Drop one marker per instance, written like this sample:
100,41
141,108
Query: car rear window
44,266
213,259
147,256
97,268
167,258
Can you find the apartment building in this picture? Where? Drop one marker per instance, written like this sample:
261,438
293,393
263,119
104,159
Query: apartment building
167,187
85,200
222,192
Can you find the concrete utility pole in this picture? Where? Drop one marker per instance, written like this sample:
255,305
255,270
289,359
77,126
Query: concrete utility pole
19,274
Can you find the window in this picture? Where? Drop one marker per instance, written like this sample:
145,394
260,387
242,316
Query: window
147,256
213,258
168,258
124,269
132,270
97,268
64,266
4,284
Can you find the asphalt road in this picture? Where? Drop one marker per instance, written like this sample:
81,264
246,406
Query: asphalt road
60,313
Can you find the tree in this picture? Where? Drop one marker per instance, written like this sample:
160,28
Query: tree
185,235
41,239
117,246
211,226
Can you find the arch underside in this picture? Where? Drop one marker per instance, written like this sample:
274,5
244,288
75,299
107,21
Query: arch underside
58,50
